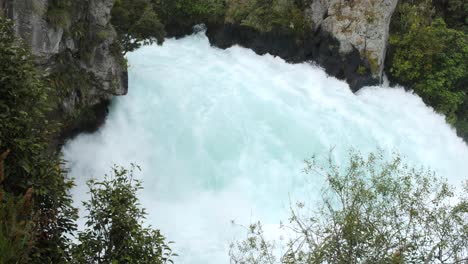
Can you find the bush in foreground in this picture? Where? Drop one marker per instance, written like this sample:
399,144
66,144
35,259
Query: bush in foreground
371,211
114,227
31,167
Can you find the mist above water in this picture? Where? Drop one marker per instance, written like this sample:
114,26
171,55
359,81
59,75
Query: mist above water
221,135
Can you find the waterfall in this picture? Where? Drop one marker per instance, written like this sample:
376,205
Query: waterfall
221,135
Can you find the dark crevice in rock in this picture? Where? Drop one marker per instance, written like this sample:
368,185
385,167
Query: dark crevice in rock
325,15
88,122
178,31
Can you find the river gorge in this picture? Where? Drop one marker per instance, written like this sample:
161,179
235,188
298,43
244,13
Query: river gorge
221,135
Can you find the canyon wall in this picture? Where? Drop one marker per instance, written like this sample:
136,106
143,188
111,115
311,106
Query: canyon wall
73,46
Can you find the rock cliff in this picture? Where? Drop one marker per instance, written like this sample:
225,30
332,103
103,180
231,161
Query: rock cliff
357,24
73,44
348,39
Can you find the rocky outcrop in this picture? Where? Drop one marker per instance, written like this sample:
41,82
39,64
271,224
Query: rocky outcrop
348,38
357,24
75,50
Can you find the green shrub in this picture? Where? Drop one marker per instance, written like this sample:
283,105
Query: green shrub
16,225
454,12
114,229
25,129
102,35
266,15
371,211
143,21
429,58
187,13
136,23
361,70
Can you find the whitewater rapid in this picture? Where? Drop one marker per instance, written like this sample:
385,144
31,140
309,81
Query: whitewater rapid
221,135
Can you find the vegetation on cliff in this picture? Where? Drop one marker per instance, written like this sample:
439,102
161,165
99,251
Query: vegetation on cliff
146,21
431,57
187,13
31,168
37,219
59,13
16,229
136,22
82,41
267,15
454,12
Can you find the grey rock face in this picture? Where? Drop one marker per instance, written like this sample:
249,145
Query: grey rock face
31,26
362,24
83,46
103,63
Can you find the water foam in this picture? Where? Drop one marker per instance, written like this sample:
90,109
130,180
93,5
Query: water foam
221,135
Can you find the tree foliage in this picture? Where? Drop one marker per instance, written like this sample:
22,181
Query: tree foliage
136,22
266,15
16,228
25,130
187,13
371,211
37,220
144,21
432,59
114,229
454,12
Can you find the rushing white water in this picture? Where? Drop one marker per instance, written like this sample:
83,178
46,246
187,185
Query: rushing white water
221,135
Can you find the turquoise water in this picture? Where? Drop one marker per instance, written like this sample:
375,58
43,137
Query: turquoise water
220,135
